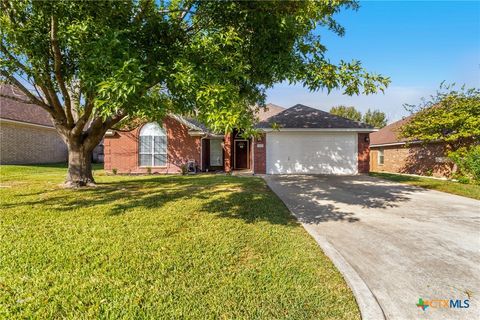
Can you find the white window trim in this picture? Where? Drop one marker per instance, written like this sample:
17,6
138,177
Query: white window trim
382,152
153,151
222,160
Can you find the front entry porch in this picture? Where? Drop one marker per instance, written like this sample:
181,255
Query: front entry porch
231,152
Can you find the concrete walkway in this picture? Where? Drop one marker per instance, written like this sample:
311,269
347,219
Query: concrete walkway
405,242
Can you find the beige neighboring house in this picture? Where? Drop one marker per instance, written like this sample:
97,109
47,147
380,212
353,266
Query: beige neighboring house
27,134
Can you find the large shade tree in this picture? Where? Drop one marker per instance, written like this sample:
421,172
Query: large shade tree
95,65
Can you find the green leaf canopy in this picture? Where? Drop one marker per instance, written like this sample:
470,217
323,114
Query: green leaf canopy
101,62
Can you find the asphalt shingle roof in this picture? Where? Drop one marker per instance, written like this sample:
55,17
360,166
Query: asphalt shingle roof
19,111
270,110
389,134
301,116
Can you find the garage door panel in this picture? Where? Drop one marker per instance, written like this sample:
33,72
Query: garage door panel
308,153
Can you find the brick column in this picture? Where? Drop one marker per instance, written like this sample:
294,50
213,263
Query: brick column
260,154
363,153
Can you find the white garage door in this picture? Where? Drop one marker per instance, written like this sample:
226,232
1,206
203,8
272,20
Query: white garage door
311,152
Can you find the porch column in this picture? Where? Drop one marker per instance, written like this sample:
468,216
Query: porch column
228,152
259,153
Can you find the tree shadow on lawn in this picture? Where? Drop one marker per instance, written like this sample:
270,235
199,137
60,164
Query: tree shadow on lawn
243,198
313,199
320,198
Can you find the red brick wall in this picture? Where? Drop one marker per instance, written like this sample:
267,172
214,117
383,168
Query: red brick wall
363,153
260,154
415,159
121,150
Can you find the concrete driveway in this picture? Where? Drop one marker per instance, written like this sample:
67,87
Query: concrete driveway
405,242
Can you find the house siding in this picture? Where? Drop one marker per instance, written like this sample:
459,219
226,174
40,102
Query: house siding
363,153
29,144
121,149
418,159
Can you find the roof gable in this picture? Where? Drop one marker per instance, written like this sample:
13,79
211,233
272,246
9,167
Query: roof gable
389,134
269,111
304,117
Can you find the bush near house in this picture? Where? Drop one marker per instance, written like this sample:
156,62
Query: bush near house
468,164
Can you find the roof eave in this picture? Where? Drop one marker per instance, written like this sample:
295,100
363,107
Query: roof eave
186,122
359,130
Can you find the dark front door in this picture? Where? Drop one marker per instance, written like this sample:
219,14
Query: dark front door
241,154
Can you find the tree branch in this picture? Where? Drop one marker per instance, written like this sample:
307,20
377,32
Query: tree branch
21,87
16,99
98,128
21,66
82,121
57,63
12,58
52,97
186,10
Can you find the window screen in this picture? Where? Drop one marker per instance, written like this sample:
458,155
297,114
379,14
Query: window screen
152,146
381,157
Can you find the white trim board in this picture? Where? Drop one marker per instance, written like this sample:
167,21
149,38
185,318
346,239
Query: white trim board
27,124
359,130
394,144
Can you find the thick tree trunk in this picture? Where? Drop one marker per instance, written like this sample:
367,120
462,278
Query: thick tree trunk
79,167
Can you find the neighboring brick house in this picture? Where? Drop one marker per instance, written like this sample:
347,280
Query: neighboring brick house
306,140
27,135
389,153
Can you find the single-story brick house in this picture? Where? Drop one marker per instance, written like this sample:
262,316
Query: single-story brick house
307,140
390,153
27,134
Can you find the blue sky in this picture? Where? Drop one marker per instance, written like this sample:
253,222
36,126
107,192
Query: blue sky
417,44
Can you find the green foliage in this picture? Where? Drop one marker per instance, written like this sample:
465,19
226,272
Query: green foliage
450,115
147,58
159,247
375,118
467,160
347,112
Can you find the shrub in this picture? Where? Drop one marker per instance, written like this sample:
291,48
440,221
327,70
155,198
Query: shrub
114,170
464,180
468,162
184,168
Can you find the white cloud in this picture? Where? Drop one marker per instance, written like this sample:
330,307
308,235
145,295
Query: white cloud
391,102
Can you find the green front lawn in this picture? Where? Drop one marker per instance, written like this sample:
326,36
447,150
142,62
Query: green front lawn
156,247
461,189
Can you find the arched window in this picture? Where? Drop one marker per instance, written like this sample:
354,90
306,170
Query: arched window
153,146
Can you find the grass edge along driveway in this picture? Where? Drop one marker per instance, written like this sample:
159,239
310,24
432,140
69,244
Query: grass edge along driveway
460,189
197,247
